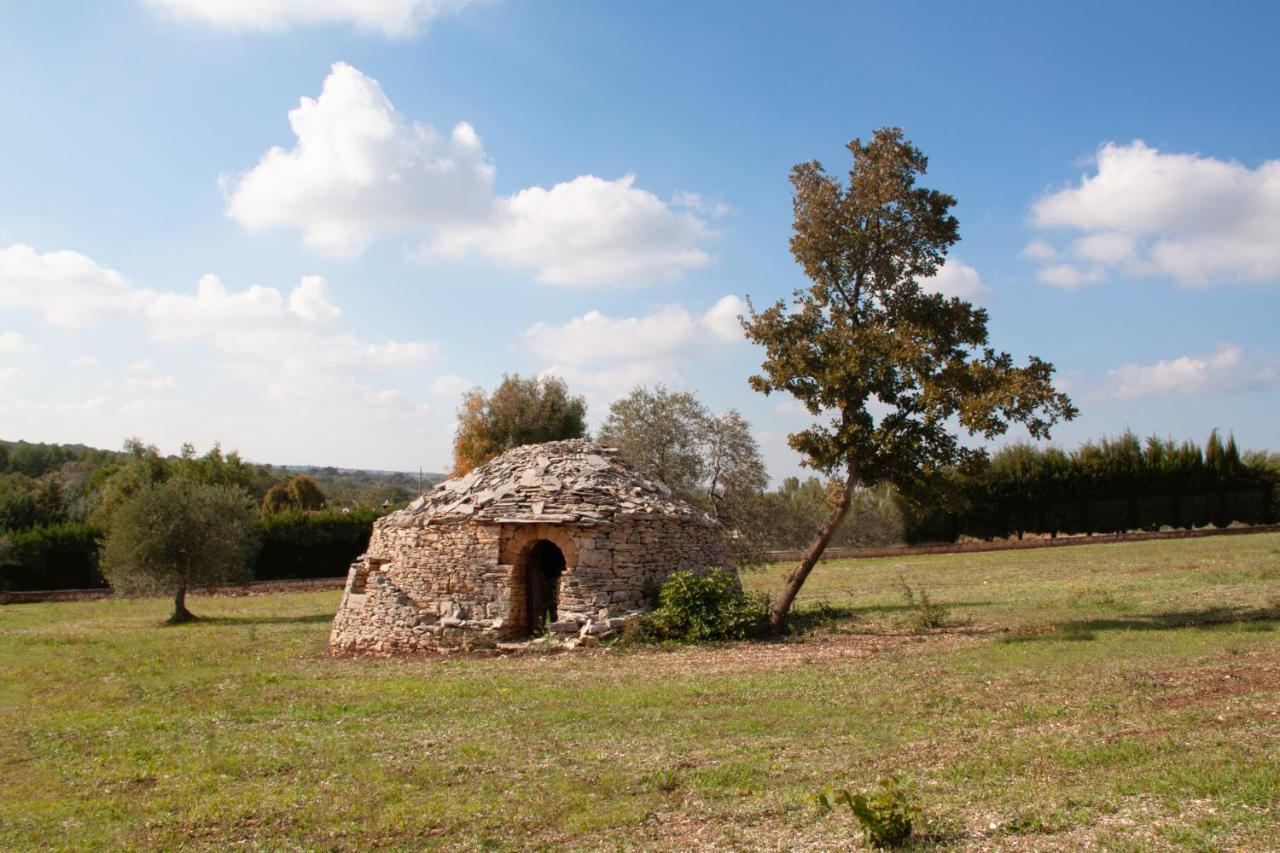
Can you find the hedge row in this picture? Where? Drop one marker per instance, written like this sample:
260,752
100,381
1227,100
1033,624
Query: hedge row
1109,487
292,545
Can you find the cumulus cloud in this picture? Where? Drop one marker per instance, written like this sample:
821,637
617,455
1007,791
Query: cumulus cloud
360,170
1070,275
65,288
721,319
662,333
957,279
13,342
700,204
392,18
1227,369
599,353
151,384
261,363
263,322
450,385
585,231
1145,212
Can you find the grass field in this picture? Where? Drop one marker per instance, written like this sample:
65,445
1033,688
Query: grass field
1119,696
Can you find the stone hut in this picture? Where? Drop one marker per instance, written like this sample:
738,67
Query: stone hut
563,535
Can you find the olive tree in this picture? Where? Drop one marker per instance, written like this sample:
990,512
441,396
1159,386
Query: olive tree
710,459
518,412
660,432
168,537
889,367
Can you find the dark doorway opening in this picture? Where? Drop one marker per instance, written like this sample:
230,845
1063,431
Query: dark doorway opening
543,568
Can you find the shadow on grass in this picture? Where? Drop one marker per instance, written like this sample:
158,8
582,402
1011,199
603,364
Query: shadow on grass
1257,618
811,617
311,618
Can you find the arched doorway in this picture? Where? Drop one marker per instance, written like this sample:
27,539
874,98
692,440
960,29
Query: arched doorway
543,566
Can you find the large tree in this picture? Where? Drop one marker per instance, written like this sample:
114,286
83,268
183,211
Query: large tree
168,537
660,432
710,459
891,367
520,411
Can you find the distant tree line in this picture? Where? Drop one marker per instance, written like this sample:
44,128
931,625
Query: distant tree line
59,505
1106,486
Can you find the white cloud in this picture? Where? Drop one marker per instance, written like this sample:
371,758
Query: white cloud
266,325
721,319
957,279
360,170
1144,212
257,368
1039,250
450,385
586,231
392,18
65,288
13,342
608,356
151,384
310,300
1227,369
659,335
700,204
1069,275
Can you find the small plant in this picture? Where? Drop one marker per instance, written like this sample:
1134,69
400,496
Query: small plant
699,608
923,612
885,815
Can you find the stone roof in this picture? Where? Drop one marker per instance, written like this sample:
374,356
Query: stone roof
574,481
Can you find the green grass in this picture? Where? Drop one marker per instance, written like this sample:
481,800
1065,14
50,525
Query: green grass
1124,696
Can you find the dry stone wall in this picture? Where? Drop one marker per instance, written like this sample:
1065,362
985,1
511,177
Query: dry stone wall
449,571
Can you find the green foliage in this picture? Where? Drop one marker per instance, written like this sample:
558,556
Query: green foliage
711,460
519,412
924,614
305,494
36,460
311,545
660,432
173,535
277,500
61,556
697,608
1107,486
796,509
866,332
886,815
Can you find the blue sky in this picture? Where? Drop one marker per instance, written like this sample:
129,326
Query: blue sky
589,189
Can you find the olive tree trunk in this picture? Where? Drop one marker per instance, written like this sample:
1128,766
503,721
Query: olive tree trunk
180,612
782,604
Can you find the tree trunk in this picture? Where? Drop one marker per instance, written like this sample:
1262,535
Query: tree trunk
782,605
180,612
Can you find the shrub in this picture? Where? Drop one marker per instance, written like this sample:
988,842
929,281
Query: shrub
60,556
311,545
886,815
697,608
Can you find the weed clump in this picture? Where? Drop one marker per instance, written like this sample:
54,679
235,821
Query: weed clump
885,815
923,613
